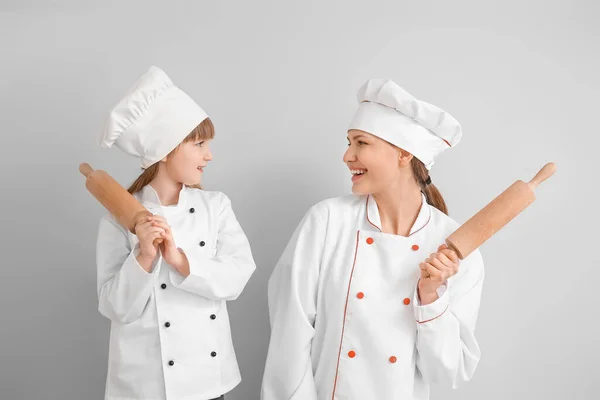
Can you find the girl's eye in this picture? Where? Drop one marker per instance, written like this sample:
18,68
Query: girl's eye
199,143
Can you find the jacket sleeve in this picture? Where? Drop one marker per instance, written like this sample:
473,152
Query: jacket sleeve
292,293
123,286
224,276
447,351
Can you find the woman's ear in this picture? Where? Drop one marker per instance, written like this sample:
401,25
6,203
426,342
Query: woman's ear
404,158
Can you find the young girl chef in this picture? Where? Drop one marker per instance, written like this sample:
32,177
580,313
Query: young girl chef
364,302
170,336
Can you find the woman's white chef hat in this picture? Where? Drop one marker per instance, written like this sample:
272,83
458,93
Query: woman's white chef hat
391,113
152,119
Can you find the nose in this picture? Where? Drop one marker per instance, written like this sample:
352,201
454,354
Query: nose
208,155
349,155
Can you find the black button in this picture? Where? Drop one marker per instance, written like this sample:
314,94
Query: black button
171,363
213,354
167,324
192,210
202,244
213,316
163,286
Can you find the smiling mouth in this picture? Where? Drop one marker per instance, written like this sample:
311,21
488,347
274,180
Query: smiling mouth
357,174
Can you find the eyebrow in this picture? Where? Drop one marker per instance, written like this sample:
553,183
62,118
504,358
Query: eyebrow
360,135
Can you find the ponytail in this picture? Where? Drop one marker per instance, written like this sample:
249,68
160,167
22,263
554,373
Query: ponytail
432,194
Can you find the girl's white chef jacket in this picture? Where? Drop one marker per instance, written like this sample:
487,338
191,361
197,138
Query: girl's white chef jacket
170,337
346,322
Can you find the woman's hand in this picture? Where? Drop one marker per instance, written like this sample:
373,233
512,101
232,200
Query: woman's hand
435,271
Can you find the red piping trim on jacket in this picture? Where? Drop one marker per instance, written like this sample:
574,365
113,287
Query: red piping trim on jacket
429,320
345,310
429,219
367,206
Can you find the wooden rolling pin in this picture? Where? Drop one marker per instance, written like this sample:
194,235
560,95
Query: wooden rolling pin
496,214
118,201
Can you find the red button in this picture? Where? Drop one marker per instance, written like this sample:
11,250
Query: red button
393,359
360,295
415,247
351,354
370,240
407,301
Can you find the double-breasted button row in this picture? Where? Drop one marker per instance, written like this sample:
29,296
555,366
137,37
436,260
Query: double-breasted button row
392,359
361,295
193,210
370,241
212,354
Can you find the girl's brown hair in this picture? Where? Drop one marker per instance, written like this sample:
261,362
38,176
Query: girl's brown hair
433,195
204,131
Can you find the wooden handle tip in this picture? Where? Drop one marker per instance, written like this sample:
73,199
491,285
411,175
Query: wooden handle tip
85,169
546,172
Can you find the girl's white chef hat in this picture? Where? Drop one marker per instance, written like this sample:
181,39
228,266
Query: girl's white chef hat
152,118
391,113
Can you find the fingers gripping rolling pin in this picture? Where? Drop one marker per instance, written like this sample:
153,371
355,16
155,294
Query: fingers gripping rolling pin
496,214
118,201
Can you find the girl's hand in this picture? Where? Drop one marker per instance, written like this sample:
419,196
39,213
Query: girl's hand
147,233
172,254
435,271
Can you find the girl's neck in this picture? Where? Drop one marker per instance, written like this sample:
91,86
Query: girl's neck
399,207
166,188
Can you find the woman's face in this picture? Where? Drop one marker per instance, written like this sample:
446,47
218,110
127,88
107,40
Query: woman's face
187,162
373,163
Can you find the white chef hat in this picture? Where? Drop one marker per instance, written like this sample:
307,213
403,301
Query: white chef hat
152,119
391,113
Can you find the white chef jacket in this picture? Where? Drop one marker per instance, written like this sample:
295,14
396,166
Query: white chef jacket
170,337
346,322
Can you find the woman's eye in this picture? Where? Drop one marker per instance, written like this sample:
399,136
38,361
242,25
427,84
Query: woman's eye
360,143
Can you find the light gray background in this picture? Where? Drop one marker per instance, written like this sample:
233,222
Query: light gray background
279,80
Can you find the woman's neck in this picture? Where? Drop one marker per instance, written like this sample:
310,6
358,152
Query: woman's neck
166,188
399,207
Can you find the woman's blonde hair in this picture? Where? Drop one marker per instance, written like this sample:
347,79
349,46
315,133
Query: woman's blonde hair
433,195
204,131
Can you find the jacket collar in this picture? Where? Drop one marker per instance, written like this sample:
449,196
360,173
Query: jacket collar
374,219
149,198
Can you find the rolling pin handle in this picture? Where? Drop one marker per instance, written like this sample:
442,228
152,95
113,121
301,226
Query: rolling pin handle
85,169
546,172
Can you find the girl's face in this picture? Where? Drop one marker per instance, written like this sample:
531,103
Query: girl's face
375,164
186,163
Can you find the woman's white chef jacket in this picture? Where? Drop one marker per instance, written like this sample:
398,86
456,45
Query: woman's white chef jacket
170,337
346,322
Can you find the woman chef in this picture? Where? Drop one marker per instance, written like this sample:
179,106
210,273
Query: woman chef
364,302
170,336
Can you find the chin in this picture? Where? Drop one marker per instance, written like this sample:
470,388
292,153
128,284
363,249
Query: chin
359,191
191,182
